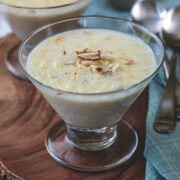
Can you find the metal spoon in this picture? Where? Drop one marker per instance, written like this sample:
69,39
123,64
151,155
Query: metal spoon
171,35
165,121
150,14
166,116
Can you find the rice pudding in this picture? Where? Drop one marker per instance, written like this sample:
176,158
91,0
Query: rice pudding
37,3
91,61
26,15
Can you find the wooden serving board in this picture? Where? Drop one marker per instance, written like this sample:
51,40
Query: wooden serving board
26,118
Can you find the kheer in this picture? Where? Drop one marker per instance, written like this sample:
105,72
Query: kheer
24,16
37,3
91,61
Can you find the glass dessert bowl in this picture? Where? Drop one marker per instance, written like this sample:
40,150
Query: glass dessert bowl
96,137
23,20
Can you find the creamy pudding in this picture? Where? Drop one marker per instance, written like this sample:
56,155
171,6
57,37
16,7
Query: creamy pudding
91,61
25,16
37,3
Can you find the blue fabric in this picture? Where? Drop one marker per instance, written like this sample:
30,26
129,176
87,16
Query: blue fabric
161,151
101,7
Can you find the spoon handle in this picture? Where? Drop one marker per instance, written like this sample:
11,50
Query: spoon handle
177,93
166,119
166,66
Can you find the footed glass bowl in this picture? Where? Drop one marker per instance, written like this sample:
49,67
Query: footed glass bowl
96,137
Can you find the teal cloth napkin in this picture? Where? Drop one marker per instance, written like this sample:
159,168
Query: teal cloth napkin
162,151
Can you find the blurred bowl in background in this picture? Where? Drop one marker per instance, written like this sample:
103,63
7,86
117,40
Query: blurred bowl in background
23,20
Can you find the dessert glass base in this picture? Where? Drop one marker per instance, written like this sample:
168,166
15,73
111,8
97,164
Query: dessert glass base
118,144
12,63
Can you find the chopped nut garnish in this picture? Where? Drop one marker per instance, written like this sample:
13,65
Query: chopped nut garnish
108,73
99,69
130,62
89,55
83,51
114,68
97,61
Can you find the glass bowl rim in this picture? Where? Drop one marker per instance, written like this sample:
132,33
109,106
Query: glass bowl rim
85,17
43,8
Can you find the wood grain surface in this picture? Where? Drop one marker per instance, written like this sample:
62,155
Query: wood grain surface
26,118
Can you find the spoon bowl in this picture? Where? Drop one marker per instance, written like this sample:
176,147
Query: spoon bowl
171,29
148,13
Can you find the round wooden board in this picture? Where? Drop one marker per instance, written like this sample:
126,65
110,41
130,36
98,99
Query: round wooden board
26,118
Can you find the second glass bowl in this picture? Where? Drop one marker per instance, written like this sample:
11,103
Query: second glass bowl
23,20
